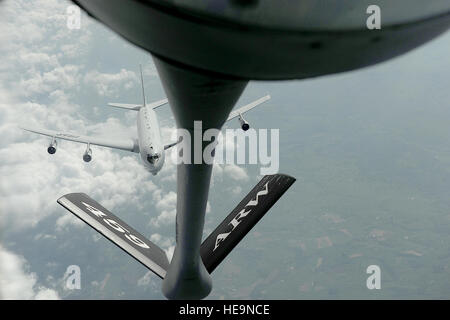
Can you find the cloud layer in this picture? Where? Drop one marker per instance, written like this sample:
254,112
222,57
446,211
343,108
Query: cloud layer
17,283
44,78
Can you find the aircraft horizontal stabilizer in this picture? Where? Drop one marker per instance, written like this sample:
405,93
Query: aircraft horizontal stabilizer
117,231
126,106
242,219
136,107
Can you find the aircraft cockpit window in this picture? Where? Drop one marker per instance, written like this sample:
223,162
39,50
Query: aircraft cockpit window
153,158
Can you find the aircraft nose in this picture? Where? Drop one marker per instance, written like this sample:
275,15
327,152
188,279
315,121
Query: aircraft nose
153,158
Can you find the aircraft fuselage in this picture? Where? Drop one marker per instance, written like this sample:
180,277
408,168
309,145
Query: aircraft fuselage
151,148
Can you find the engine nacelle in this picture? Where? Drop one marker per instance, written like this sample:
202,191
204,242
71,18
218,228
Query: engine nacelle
52,147
244,124
87,156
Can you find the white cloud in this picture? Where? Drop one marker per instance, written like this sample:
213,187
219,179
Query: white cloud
235,172
231,171
41,71
236,190
17,283
166,204
62,77
35,39
66,220
33,64
32,179
146,280
39,59
167,244
46,294
109,84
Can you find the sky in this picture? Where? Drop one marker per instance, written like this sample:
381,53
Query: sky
369,148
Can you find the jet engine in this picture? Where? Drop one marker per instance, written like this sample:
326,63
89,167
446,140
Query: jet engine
244,124
87,156
52,147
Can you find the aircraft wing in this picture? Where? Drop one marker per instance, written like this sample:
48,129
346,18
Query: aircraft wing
125,144
168,146
244,109
158,104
